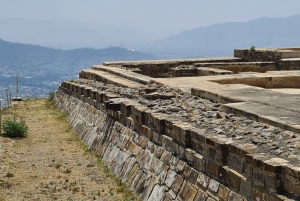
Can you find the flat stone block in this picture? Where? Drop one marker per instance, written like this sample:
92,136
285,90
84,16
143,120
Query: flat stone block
159,123
147,132
234,179
246,188
278,197
259,193
201,196
274,181
223,193
235,197
170,178
166,142
130,122
203,181
180,166
187,192
258,176
156,138
212,168
199,162
213,186
177,183
190,174
189,156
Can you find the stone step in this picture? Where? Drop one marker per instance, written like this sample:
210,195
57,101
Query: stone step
108,78
238,67
172,62
206,71
275,116
130,75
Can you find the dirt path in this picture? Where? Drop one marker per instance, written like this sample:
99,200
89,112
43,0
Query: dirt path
52,163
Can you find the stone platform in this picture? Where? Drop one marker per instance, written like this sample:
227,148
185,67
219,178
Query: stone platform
172,133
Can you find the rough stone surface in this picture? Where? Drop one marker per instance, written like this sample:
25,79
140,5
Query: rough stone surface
214,186
167,140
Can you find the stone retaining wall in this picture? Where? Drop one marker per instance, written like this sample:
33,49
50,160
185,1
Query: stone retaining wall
289,64
161,158
188,71
257,56
260,55
207,71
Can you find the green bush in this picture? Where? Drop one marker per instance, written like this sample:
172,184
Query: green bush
252,48
14,127
51,94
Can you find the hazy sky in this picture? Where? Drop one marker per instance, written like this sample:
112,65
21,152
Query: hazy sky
161,17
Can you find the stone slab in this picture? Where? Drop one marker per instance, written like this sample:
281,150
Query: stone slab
265,113
110,78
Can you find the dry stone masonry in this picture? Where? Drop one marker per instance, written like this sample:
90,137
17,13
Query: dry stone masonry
170,133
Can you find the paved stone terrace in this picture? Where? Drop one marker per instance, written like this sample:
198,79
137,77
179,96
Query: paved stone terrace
237,88
278,107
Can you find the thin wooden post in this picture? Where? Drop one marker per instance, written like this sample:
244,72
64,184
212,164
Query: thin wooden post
7,100
0,116
17,86
10,99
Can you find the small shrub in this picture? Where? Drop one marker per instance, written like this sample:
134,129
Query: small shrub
252,48
121,189
57,166
14,127
90,165
75,190
5,184
9,174
67,171
51,94
118,182
62,115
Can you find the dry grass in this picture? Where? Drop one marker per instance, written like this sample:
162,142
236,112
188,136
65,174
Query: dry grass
51,163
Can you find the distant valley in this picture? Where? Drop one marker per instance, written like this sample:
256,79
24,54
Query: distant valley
41,69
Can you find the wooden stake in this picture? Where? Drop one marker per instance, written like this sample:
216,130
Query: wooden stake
7,100
0,116
17,86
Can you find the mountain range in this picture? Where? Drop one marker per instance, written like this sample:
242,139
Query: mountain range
263,32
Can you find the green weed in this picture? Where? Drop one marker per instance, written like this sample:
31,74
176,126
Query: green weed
14,127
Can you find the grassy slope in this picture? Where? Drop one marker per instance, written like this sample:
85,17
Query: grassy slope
52,163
